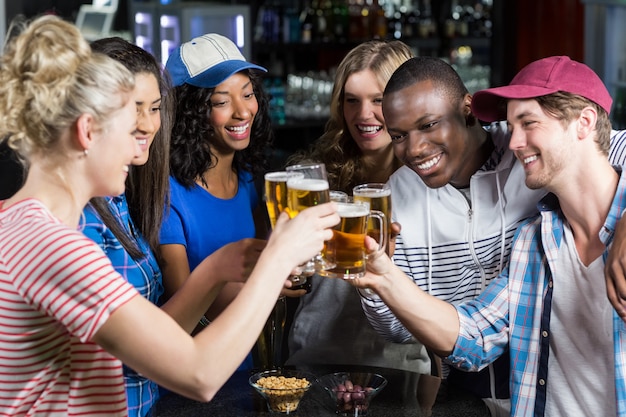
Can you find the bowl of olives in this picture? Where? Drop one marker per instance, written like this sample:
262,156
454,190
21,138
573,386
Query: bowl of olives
352,392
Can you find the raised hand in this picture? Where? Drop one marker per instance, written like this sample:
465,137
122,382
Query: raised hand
236,260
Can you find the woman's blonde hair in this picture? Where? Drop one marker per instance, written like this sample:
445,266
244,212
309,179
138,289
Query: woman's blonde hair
335,147
48,78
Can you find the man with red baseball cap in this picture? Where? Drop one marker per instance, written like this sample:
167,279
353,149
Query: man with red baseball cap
548,307
540,78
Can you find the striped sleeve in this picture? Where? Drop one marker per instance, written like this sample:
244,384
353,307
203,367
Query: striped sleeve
617,153
63,274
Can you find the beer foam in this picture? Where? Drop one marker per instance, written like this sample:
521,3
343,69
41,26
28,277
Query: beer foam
352,210
277,176
373,192
308,184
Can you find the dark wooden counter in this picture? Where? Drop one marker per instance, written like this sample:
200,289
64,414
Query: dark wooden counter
398,399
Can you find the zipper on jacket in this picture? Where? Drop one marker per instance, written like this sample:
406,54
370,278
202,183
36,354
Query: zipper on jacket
470,240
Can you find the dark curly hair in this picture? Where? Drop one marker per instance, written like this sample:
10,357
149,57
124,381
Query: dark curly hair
190,153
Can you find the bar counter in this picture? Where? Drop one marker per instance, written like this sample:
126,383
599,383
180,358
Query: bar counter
398,399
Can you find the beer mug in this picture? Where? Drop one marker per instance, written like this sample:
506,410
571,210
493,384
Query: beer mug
276,192
308,192
276,196
338,196
304,193
346,249
378,195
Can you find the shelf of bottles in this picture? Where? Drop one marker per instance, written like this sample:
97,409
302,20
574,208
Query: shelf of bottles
301,41
335,23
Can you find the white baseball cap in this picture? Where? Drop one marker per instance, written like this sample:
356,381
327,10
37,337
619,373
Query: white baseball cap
206,61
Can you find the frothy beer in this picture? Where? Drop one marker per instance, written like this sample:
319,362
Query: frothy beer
276,198
347,247
306,192
379,198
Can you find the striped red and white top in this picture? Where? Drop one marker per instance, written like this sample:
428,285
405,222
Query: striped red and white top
57,288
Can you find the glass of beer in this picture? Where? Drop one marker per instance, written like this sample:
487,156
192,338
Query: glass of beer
338,196
347,247
276,202
276,192
308,192
267,351
378,195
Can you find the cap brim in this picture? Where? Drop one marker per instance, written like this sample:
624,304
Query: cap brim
490,105
220,72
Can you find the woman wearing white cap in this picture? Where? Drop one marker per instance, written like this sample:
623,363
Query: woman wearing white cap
220,137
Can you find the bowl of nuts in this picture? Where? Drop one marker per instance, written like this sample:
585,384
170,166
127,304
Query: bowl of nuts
282,388
352,392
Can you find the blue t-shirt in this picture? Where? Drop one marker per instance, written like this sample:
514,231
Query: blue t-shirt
204,223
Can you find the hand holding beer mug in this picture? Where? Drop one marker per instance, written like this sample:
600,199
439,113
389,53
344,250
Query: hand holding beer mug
378,195
347,247
267,352
308,192
276,201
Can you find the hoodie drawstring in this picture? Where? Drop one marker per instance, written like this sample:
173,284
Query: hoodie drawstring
430,242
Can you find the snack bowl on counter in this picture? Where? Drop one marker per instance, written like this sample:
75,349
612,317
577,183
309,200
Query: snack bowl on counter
282,388
352,392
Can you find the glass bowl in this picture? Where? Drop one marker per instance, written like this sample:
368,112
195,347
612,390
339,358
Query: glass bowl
282,388
352,392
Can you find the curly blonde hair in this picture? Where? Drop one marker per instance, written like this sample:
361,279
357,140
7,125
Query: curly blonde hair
48,78
336,148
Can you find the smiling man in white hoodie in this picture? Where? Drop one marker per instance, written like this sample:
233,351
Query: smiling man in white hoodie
459,200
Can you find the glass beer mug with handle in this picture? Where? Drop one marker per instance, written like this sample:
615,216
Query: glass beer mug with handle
378,195
307,192
347,247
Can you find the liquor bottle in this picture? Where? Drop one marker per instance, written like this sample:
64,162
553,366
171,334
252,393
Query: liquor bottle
410,15
427,22
366,30
291,26
307,23
466,20
482,20
271,22
394,23
328,35
451,22
356,31
378,20
276,90
341,21
320,25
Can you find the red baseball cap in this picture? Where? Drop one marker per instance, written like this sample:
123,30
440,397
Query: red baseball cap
540,78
